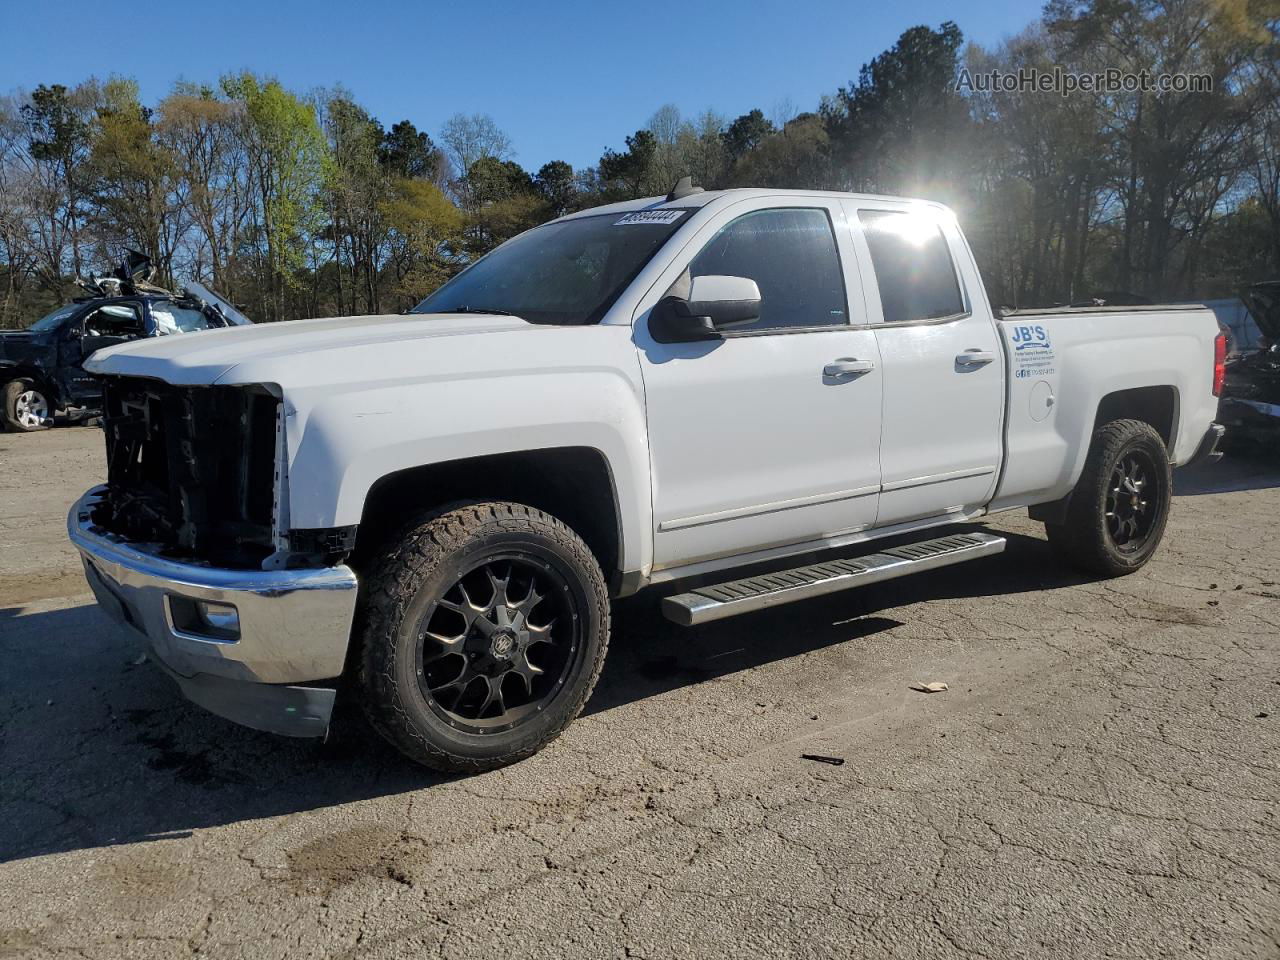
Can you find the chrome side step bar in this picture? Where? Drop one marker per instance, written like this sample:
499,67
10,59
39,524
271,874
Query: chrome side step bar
771,589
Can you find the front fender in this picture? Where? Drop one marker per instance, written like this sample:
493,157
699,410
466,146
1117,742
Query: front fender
342,442
12,370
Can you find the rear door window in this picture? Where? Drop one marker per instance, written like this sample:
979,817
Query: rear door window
914,271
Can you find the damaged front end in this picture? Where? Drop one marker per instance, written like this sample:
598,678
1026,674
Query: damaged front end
192,470
186,544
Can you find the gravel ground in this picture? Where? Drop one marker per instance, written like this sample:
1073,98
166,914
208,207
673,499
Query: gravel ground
1100,779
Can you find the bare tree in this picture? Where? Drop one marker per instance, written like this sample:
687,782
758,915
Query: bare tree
468,138
200,130
1262,169
15,214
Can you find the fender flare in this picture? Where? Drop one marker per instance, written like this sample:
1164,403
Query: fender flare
10,371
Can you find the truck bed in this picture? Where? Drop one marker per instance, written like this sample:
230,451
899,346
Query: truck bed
1086,311
1063,364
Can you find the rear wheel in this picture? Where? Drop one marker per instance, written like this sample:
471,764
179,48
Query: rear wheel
1120,506
485,630
26,407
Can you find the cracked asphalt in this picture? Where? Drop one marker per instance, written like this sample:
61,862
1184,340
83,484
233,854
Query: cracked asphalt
1100,780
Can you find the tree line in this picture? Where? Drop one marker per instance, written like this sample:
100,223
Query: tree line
299,205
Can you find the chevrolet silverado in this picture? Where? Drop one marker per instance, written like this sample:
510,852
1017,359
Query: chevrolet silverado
716,394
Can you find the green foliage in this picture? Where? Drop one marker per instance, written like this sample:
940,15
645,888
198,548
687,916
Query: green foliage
57,133
1126,191
424,228
746,133
406,151
201,132
130,176
356,179
630,173
288,154
57,127
492,180
669,148
795,156
503,201
297,206
554,181
898,128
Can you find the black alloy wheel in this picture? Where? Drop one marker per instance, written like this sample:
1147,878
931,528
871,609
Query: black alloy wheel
484,627
1116,515
497,647
1133,498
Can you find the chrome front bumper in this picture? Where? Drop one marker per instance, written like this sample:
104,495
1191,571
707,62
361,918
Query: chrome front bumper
290,627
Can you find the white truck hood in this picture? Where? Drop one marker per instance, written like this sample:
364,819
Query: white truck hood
277,349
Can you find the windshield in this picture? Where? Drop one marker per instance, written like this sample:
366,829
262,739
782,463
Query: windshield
50,321
567,272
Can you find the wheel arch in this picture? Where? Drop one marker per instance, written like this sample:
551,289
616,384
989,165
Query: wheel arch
21,371
574,484
12,372
1156,405
1110,527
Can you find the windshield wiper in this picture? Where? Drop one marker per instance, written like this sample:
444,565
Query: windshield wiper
465,308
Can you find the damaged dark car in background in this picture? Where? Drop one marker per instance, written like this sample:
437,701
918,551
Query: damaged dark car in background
1250,408
42,368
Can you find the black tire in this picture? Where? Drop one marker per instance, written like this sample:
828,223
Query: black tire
19,408
430,573
1106,531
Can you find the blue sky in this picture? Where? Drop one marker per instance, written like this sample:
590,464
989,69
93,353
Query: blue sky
564,80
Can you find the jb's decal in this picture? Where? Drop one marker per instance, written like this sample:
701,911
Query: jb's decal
1032,351
1027,337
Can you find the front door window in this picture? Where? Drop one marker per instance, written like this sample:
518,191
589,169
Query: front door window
791,255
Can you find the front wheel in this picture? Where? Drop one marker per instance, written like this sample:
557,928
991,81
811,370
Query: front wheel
485,629
1120,505
26,407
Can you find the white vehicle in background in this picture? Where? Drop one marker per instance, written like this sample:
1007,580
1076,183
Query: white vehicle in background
737,391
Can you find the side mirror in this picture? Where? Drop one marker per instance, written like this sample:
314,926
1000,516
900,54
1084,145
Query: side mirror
714,303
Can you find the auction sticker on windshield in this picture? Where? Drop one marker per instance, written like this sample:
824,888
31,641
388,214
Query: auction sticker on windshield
650,216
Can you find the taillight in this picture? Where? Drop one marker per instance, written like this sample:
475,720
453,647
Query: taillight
1219,362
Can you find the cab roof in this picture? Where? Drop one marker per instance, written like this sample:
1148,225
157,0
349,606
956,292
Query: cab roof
704,197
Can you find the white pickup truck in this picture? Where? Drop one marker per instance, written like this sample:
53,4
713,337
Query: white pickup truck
434,508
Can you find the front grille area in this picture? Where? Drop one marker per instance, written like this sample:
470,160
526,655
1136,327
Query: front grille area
190,469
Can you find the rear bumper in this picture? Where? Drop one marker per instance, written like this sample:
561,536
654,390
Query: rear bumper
1253,417
1256,406
269,670
1208,450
